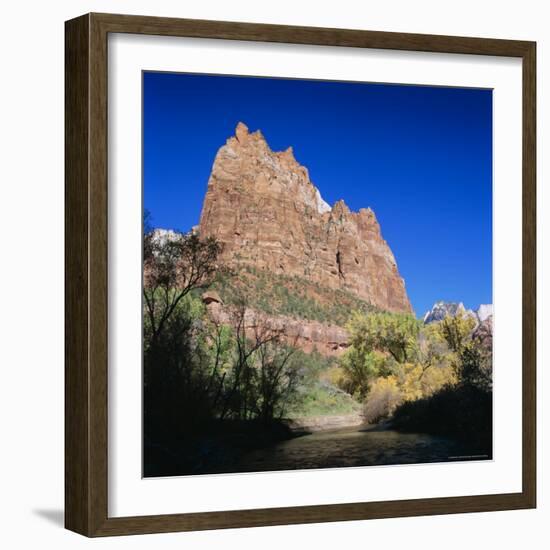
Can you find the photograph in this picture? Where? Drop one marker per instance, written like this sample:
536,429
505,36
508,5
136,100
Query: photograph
294,266
317,285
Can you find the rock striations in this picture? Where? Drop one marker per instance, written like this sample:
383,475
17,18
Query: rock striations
307,335
264,209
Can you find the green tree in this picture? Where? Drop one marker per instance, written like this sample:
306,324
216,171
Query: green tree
173,266
394,333
360,367
474,367
376,341
262,377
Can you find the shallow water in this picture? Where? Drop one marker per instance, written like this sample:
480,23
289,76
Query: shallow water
355,447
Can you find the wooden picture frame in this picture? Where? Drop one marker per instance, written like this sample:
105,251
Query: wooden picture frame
86,283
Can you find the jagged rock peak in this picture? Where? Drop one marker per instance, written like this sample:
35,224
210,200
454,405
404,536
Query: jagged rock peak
244,137
162,236
340,209
267,213
241,132
441,309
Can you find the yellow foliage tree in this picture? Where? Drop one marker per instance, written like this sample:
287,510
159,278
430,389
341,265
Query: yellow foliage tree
384,397
392,358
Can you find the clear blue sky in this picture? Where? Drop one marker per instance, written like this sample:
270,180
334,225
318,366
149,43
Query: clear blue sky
419,156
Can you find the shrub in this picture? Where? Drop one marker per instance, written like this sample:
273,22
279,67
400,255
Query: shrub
321,398
384,397
289,295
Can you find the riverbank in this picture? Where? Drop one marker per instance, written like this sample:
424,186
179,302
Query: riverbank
319,423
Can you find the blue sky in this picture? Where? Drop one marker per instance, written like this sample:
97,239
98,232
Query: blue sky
419,156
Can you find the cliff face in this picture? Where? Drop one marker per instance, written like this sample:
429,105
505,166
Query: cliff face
268,214
307,335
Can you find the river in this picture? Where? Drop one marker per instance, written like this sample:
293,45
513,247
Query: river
354,447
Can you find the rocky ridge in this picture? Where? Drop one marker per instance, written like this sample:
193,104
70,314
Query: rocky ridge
264,209
441,309
307,335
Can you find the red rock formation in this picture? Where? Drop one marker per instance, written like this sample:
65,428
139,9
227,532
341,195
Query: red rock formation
267,213
309,336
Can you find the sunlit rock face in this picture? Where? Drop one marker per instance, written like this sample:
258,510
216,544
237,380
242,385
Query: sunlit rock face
441,309
264,209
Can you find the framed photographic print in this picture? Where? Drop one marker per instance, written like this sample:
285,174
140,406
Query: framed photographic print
300,275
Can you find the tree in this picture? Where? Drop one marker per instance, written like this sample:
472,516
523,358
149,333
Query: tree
278,378
393,333
377,341
174,380
262,377
215,348
174,265
397,358
475,367
177,382
456,330
360,367
432,351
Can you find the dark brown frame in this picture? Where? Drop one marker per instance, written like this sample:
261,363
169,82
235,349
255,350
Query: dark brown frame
86,274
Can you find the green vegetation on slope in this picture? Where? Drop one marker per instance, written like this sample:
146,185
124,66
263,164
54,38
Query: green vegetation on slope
289,295
322,398
316,394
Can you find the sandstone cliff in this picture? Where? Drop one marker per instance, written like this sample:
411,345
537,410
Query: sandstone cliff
327,339
268,214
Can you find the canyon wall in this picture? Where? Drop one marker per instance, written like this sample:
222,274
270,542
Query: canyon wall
264,209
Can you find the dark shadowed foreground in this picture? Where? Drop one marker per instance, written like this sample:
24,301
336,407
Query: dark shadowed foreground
346,447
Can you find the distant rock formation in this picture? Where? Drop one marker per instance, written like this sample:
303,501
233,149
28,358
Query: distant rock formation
264,209
483,314
441,309
162,236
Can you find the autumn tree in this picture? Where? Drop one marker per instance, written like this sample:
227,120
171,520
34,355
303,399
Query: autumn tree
376,341
174,264
360,367
456,331
394,358
394,333
177,382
